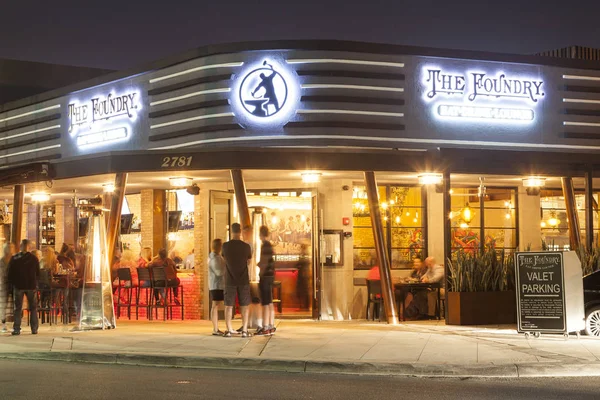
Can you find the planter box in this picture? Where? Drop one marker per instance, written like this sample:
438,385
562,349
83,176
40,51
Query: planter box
481,308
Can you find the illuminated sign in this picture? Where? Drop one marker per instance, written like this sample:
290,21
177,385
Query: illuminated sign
482,96
95,121
265,94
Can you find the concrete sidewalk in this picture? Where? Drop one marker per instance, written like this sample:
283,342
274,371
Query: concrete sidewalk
427,348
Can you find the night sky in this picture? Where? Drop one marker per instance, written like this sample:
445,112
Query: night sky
128,33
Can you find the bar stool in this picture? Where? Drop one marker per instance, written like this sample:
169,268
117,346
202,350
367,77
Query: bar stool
170,301
145,285
374,298
159,285
125,282
277,296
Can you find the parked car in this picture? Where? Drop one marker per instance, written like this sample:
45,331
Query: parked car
591,296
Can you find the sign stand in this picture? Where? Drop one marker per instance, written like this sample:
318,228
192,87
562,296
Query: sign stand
549,293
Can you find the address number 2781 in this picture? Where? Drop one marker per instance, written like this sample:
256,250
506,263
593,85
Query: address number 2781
182,161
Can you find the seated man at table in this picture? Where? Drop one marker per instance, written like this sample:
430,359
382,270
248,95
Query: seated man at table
419,308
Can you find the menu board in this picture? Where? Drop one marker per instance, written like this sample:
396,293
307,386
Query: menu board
540,292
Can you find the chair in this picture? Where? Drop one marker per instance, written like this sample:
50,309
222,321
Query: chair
46,309
277,296
159,285
170,300
145,284
374,298
125,285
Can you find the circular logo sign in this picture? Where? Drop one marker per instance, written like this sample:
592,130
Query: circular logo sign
263,91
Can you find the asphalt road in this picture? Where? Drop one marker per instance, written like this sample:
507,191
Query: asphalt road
54,380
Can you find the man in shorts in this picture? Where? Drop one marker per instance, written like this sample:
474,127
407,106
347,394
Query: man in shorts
267,276
237,282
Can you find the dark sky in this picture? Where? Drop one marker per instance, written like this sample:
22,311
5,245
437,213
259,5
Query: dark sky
128,33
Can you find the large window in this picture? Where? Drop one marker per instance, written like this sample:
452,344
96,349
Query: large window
500,227
555,224
404,220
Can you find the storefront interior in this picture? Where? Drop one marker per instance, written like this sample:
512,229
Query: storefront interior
319,222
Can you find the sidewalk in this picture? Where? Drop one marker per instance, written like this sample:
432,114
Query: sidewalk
427,348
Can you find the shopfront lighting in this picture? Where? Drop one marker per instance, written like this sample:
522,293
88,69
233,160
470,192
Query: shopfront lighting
464,225
534,181
430,179
398,219
553,221
311,177
543,224
108,188
180,182
40,197
467,214
384,205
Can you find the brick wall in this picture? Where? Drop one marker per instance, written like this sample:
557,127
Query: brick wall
200,268
146,213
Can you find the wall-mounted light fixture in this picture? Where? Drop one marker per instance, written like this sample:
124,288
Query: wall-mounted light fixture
180,182
311,177
40,197
430,179
534,181
108,188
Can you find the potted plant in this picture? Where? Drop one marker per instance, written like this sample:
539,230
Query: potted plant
481,288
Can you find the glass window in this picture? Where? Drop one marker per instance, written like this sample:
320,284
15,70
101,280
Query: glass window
404,219
500,222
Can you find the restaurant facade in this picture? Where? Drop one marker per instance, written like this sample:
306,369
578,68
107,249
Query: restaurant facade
464,148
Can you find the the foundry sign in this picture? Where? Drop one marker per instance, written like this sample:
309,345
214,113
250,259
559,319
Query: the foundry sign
103,119
480,95
102,109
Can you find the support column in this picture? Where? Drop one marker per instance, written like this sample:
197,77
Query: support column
239,188
570,204
17,217
447,203
382,255
114,218
589,209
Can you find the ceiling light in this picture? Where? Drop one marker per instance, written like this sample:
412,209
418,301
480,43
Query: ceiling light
108,188
430,179
467,214
180,182
40,197
311,177
534,181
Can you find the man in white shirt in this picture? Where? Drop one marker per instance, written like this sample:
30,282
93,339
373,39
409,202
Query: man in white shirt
434,273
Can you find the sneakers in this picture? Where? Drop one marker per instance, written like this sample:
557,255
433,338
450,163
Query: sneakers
4,329
262,332
246,334
218,333
15,333
227,334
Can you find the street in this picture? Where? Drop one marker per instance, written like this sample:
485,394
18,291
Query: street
54,380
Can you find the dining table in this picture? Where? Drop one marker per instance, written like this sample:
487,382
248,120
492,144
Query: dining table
406,287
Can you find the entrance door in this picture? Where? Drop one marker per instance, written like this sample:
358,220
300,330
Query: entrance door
221,215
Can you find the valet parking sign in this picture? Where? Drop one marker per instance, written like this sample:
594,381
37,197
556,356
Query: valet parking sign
478,96
540,292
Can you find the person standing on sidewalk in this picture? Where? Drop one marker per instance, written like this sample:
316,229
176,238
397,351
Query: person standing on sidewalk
216,283
237,253
23,275
7,252
265,284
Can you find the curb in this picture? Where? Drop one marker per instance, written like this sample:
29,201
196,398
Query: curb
525,370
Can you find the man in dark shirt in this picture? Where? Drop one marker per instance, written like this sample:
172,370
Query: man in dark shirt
23,274
237,253
267,276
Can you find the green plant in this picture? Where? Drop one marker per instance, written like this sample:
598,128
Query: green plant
590,259
488,271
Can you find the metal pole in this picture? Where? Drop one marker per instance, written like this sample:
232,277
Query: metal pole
569,194
382,255
17,217
589,209
114,218
239,188
447,204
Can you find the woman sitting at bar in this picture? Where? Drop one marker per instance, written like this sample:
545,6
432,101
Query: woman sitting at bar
127,261
171,272
49,260
66,257
145,257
